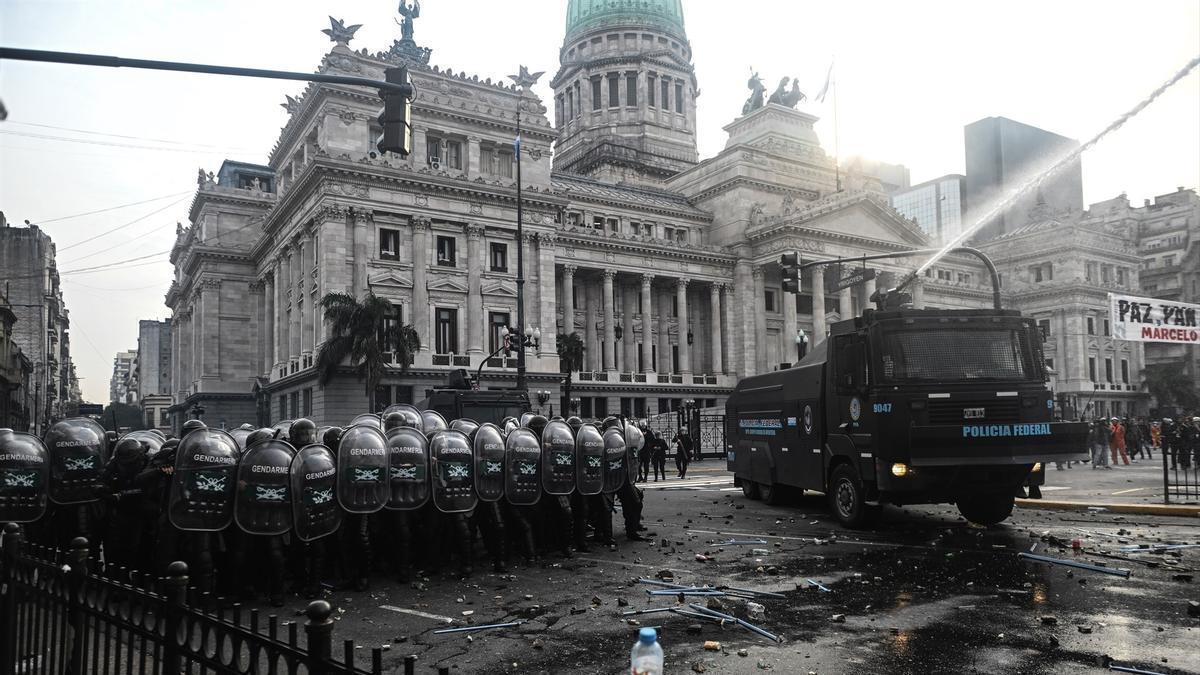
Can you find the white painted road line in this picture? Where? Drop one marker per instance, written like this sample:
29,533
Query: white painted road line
414,612
1125,492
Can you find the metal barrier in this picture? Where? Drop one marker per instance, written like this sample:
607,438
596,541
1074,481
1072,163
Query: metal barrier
63,613
710,433
706,426
1181,473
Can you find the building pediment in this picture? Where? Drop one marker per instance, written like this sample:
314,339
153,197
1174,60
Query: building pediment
502,288
866,220
449,284
389,280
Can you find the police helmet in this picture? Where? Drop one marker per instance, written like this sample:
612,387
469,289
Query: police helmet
302,432
190,426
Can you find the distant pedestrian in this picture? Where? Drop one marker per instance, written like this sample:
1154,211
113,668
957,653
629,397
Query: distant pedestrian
1118,443
645,455
659,457
683,453
1099,439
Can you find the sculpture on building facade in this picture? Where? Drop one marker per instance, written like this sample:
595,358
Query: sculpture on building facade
785,97
339,32
525,79
409,12
757,92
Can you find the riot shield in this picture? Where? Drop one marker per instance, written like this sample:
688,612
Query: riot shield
24,475
78,452
202,486
410,414
408,469
522,468
508,424
558,459
453,472
465,425
489,462
282,429
369,419
315,510
634,440
433,422
240,436
614,460
263,503
589,460
151,441
362,469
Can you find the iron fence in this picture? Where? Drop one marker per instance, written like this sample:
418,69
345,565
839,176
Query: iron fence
63,613
706,426
1181,473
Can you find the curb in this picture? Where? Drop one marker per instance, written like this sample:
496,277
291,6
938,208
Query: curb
1141,509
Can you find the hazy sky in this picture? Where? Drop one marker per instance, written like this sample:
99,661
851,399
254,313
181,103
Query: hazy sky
910,75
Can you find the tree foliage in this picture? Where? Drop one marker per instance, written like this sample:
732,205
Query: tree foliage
570,359
1169,384
361,333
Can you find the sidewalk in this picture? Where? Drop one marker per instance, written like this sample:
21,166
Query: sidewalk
1137,488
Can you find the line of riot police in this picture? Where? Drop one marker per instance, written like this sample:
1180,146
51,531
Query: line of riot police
248,509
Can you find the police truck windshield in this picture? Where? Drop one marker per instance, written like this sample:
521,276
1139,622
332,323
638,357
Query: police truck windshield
946,354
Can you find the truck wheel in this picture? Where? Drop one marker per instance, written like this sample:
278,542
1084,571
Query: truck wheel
846,498
750,489
988,510
772,494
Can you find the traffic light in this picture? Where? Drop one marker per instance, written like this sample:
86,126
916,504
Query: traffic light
396,117
790,262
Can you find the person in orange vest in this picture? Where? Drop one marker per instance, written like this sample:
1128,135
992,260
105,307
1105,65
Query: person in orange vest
1118,442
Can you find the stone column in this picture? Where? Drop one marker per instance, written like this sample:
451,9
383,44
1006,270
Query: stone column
420,256
820,327
868,291
547,310
628,339
727,314
473,156
648,364
610,335
361,251
419,158
846,303
591,343
284,298
918,294
714,300
294,320
209,345
304,300
788,350
685,352
533,282
664,331
568,299
474,315
756,307
268,319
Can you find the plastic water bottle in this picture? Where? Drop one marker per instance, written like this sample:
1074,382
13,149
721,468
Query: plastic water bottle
647,655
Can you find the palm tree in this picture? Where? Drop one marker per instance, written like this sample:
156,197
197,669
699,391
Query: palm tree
362,333
570,359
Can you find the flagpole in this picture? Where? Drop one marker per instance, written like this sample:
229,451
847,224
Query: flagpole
521,385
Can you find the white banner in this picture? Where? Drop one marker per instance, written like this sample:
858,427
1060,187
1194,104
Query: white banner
1154,320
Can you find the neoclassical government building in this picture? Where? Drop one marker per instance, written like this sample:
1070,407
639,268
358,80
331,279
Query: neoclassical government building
665,264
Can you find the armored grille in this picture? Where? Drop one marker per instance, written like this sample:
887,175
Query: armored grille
955,355
995,410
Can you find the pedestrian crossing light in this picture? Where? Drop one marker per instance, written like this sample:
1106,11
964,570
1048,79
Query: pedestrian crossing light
790,262
396,117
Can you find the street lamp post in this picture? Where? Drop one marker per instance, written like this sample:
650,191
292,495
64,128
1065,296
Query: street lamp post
521,385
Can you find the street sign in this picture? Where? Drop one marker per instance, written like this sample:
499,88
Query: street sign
838,277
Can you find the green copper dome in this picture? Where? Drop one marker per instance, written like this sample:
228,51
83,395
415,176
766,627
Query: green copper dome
585,15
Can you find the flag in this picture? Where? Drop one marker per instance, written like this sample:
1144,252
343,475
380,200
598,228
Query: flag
820,98
517,145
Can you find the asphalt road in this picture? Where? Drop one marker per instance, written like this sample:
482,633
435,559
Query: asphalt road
921,592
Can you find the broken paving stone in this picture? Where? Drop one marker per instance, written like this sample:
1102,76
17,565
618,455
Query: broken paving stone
1049,620
633,622
1186,578
699,667
743,652
1053,641
596,600
622,602
537,644
1086,630
694,628
763,664
714,603
838,618
1193,608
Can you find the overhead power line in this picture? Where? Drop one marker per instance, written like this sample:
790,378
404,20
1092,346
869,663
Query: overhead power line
48,137
43,221
134,138
120,227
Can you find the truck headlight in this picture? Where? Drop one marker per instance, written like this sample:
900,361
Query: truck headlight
899,470
1037,467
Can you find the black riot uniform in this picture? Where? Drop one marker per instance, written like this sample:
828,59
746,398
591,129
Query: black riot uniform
488,442
125,529
78,450
629,494
408,476
558,481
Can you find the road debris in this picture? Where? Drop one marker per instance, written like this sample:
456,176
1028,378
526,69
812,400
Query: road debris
471,629
1071,563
